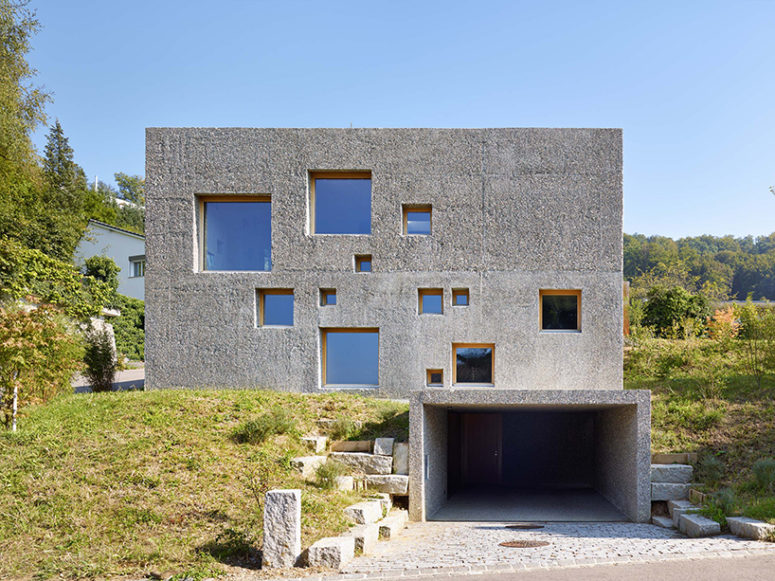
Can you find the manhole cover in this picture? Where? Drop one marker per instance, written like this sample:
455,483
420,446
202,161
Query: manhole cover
523,544
524,526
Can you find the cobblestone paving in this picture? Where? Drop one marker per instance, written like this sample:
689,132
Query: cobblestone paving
455,547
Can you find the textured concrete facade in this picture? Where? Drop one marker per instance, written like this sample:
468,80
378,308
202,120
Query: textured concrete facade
514,211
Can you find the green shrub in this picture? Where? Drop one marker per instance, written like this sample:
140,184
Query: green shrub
344,428
328,472
103,268
764,473
675,311
130,327
710,469
720,505
257,430
100,359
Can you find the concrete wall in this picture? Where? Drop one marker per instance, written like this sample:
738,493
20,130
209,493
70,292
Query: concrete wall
514,211
105,241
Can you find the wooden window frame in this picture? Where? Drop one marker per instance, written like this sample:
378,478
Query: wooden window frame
332,175
407,208
429,292
324,294
261,295
559,292
461,292
202,199
456,346
358,259
429,373
324,331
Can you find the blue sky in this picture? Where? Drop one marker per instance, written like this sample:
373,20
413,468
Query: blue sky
690,82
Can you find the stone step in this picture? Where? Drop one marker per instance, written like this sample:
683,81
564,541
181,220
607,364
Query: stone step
663,521
346,483
331,552
366,463
749,528
401,458
385,500
671,473
390,483
308,465
391,526
673,504
696,525
316,444
680,458
366,512
679,511
384,446
366,537
351,446
669,491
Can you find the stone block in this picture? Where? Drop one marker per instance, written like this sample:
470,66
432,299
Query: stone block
391,526
384,446
677,512
366,537
390,483
671,473
366,512
385,500
749,528
345,483
669,491
663,521
673,504
282,528
308,465
316,444
696,525
696,497
331,552
351,446
366,463
401,458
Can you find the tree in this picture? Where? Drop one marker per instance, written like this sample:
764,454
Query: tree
131,188
103,268
674,308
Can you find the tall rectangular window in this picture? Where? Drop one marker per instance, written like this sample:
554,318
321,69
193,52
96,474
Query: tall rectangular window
473,362
559,310
235,233
340,202
275,307
137,266
417,220
350,356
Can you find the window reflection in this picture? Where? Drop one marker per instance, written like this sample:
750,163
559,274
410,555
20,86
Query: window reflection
238,235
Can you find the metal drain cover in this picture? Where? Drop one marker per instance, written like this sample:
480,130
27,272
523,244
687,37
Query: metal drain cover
524,544
525,526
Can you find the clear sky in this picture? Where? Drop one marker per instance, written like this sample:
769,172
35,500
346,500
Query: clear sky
692,83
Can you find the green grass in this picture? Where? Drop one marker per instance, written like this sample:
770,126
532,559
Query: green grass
119,484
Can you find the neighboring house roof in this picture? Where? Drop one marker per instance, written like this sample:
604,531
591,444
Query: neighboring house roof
116,228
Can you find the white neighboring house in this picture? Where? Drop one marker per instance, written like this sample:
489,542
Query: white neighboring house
127,249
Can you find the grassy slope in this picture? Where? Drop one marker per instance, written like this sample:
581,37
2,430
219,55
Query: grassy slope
704,400
118,484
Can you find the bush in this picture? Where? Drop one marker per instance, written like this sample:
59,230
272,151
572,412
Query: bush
129,328
327,474
103,268
675,311
710,470
100,359
344,428
258,430
764,473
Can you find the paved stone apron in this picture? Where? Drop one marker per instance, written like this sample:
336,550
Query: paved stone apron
459,548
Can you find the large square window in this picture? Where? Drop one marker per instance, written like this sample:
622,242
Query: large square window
417,220
341,202
235,233
350,356
430,301
275,307
473,362
560,310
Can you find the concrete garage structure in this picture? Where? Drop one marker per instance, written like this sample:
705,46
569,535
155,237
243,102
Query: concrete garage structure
477,271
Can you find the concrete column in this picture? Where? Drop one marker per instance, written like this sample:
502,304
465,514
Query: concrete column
282,528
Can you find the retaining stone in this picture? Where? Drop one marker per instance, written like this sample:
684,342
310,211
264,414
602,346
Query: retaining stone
669,491
316,444
663,521
671,473
680,458
677,512
384,446
696,525
351,446
282,528
344,482
390,527
332,552
401,458
364,512
366,463
366,537
390,483
673,504
749,528
308,465
384,499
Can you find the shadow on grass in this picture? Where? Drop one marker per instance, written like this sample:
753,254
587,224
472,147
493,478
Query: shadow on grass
392,425
235,548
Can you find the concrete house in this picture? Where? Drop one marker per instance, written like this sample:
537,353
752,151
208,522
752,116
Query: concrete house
477,272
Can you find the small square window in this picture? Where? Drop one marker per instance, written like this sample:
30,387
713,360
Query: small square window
417,220
340,202
137,266
460,297
435,377
559,310
275,307
363,263
473,363
430,301
327,297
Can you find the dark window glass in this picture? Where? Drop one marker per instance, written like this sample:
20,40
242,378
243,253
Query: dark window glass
352,358
238,236
431,304
342,206
418,222
560,312
474,364
278,309
435,377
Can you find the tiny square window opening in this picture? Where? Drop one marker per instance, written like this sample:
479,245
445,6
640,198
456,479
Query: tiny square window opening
417,220
363,263
460,297
434,377
327,297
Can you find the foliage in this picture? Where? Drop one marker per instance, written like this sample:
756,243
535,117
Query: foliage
724,325
129,328
758,338
38,355
344,428
719,505
710,469
764,473
103,268
100,359
259,429
26,272
674,311
327,473
131,188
